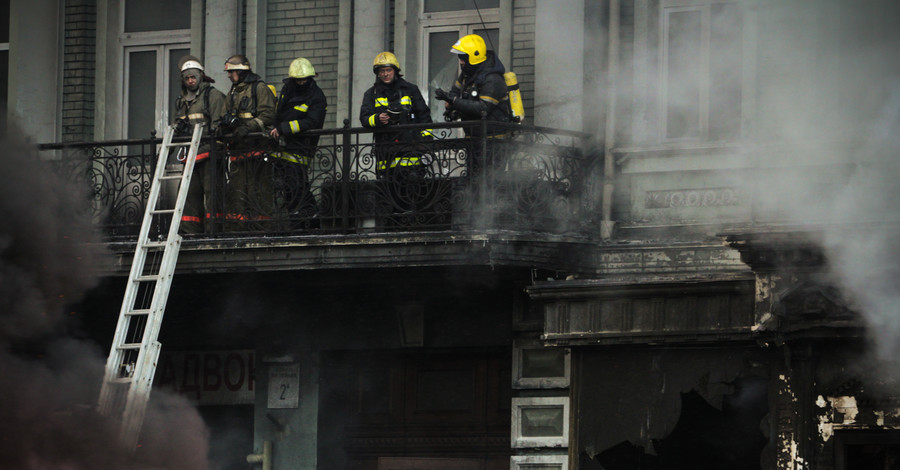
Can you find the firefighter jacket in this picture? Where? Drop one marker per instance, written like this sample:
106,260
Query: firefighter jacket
404,102
252,102
300,108
482,88
205,107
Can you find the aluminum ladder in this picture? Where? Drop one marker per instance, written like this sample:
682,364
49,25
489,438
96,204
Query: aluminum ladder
134,353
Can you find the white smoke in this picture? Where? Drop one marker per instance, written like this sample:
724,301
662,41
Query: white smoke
865,257
829,93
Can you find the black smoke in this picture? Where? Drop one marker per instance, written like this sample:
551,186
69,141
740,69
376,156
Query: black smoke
51,378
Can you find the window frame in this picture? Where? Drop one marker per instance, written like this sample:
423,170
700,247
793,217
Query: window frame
162,42
463,21
520,441
163,67
531,462
704,7
548,382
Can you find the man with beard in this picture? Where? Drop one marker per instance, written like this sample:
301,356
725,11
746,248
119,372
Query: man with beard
249,107
393,101
300,107
199,103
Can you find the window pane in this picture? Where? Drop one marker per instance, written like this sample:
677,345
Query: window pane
683,65
543,363
442,69
157,15
4,25
141,94
434,6
726,56
175,76
4,79
542,422
491,38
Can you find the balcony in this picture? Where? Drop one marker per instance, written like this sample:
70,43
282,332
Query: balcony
528,183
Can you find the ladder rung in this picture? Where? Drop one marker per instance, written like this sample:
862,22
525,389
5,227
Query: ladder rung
179,144
170,177
155,244
128,346
140,311
154,277
122,380
162,211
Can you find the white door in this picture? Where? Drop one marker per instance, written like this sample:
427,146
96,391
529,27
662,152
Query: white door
152,83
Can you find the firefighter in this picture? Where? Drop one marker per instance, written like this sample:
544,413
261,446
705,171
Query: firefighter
399,155
479,91
199,103
249,107
480,87
391,101
300,107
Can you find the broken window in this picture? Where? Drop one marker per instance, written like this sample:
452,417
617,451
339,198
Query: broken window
705,437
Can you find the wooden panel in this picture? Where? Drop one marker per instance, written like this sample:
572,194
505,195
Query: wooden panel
438,407
445,392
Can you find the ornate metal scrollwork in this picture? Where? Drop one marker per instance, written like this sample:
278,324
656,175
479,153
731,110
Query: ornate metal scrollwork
522,178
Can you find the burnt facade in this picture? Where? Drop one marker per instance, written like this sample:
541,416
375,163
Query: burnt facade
683,258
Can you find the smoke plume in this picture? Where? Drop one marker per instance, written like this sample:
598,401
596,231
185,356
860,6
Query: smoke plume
847,180
51,379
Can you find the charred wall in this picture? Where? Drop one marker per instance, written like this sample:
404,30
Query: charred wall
672,408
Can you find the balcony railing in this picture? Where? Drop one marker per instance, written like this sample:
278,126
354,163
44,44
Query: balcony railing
521,178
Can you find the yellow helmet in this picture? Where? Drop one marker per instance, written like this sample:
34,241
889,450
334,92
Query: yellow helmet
237,62
385,59
301,68
472,46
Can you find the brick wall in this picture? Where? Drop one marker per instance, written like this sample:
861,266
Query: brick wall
78,71
304,28
523,52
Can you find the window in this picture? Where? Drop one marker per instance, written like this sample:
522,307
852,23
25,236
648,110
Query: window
540,422
433,6
153,42
537,366
152,84
701,68
866,449
143,16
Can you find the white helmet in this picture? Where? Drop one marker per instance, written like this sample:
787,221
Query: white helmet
191,64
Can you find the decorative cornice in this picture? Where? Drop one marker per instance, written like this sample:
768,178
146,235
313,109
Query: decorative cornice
705,197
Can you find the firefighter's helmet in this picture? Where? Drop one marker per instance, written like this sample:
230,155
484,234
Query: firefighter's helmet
189,62
301,68
473,46
237,62
385,59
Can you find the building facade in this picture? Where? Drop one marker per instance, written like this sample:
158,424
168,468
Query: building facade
689,265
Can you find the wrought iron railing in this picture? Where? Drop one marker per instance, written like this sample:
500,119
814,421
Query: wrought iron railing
519,178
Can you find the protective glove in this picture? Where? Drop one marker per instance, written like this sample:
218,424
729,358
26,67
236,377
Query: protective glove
240,132
442,95
451,114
